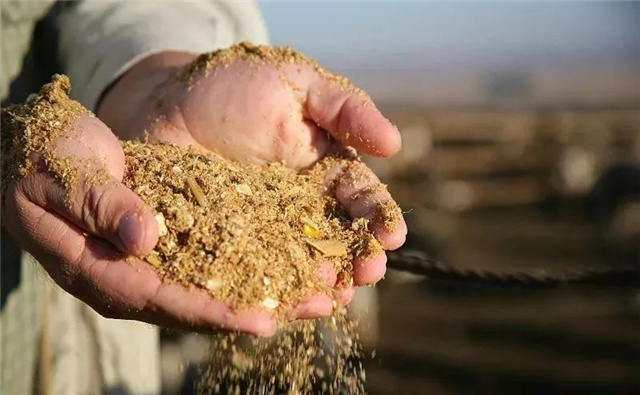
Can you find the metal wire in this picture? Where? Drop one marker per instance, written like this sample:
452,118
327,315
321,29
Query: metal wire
418,263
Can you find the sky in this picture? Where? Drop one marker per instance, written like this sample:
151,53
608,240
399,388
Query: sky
445,35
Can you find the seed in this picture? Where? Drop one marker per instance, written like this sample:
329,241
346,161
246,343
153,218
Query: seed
197,191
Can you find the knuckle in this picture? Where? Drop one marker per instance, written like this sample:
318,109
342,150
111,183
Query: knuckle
96,206
72,269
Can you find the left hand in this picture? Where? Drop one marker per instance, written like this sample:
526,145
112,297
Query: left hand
262,113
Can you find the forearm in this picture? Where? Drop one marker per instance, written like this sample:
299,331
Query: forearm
127,106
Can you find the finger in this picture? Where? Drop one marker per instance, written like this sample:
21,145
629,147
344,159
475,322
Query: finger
369,270
327,273
116,288
96,201
318,305
195,309
110,210
364,196
351,118
345,296
315,306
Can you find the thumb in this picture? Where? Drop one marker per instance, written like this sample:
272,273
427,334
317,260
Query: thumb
351,118
110,211
96,200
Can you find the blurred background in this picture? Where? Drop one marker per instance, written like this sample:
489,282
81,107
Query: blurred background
521,128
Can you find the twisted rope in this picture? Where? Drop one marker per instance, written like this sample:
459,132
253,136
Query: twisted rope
416,262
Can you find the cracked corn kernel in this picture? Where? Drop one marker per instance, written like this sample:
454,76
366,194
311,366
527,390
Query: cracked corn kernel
310,231
154,260
310,228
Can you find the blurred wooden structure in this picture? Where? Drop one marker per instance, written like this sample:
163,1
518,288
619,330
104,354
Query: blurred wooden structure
468,160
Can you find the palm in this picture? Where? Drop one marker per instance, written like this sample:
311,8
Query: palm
291,113
264,114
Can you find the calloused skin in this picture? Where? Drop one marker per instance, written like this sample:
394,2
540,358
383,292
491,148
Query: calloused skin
241,112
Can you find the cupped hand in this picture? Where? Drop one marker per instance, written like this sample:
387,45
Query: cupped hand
259,112
83,238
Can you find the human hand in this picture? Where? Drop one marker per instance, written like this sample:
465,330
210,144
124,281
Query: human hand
83,235
261,112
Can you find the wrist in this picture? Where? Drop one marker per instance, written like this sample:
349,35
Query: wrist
127,105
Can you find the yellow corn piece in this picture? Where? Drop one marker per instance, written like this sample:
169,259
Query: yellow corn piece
309,228
154,260
374,245
310,231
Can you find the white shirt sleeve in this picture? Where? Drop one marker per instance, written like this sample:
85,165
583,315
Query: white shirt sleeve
100,40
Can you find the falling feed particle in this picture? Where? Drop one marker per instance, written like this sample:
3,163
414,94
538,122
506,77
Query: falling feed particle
305,357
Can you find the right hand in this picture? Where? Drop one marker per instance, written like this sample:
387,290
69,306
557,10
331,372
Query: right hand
84,242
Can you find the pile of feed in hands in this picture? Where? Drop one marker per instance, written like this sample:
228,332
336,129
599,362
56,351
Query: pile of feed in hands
252,236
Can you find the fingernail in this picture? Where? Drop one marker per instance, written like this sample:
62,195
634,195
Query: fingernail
131,232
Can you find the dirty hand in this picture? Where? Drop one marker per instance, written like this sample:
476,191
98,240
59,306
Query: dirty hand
80,238
261,113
